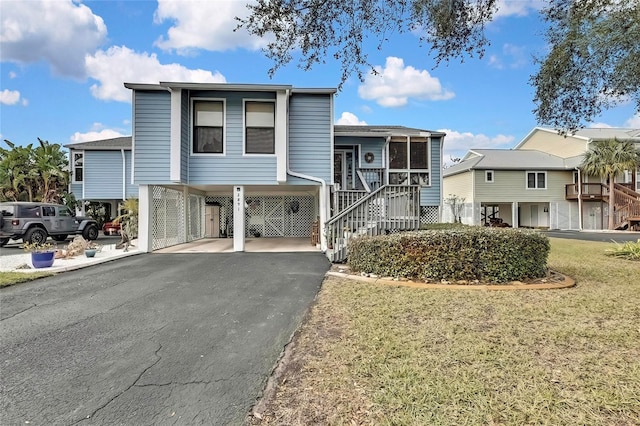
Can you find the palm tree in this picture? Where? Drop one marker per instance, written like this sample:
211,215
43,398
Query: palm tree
608,158
51,163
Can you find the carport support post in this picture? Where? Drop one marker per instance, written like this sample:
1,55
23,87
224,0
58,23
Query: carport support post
238,218
145,198
514,215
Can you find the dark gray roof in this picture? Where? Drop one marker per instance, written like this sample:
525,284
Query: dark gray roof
509,159
104,144
370,131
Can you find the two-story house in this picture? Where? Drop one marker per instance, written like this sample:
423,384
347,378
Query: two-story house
539,184
252,161
101,172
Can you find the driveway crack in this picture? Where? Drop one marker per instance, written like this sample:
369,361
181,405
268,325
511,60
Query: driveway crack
126,389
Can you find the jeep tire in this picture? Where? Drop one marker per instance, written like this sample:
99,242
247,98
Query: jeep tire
90,233
59,237
3,241
35,235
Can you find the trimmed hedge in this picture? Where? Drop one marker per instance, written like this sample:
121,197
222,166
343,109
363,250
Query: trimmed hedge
473,253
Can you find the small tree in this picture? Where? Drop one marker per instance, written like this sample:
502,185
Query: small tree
456,204
608,158
129,221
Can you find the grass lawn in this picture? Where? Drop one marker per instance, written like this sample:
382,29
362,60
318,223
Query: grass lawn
373,354
10,278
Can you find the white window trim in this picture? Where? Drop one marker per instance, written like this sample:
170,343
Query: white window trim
486,176
526,181
409,170
244,127
73,166
224,127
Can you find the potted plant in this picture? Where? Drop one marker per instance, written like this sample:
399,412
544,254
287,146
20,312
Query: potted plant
91,249
42,254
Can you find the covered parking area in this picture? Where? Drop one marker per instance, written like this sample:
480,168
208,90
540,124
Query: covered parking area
229,218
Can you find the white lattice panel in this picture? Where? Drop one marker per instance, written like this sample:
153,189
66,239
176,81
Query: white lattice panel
279,216
429,214
196,215
168,216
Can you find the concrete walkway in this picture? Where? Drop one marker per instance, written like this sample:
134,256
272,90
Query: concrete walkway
153,339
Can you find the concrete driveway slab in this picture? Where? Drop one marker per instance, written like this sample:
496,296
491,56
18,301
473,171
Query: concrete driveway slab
154,339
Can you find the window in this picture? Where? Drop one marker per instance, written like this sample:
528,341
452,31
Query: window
259,128
409,161
64,212
78,166
48,211
208,127
488,176
536,180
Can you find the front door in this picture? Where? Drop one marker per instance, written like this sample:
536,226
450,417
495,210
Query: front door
212,221
344,168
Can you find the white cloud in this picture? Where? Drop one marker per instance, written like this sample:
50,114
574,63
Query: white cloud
457,144
512,57
517,8
58,32
395,84
97,132
633,122
117,65
351,119
9,97
207,25
12,75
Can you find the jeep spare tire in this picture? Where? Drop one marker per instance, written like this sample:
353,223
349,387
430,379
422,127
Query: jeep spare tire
90,232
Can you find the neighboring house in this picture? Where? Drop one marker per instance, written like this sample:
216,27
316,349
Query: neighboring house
539,184
101,172
239,160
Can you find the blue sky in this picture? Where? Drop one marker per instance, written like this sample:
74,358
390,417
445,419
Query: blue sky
63,64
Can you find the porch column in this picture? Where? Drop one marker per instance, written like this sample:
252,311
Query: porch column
238,218
145,220
514,215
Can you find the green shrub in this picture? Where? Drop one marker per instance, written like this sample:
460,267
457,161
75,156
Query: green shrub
464,253
628,250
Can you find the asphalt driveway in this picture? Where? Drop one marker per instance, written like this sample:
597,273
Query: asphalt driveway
158,339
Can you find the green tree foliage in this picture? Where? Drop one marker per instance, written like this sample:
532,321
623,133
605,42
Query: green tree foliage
593,62
33,174
609,158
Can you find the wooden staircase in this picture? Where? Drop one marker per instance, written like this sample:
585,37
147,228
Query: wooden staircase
390,208
627,207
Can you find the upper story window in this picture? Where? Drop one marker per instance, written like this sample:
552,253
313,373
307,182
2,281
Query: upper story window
78,166
260,136
536,180
409,161
489,176
208,127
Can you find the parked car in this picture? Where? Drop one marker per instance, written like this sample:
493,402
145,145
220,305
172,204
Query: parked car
110,228
35,222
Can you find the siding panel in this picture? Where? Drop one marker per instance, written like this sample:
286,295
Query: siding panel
431,196
310,125
103,175
152,133
510,186
132,189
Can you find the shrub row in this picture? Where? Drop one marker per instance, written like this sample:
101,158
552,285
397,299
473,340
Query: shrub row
471,253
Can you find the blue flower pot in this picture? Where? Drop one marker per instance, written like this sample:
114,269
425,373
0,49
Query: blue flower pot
42,259
90,252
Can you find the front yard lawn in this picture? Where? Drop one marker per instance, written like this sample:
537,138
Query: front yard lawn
10,278
373,354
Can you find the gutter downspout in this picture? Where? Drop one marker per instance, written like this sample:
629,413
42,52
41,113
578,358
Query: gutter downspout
384,160
323,190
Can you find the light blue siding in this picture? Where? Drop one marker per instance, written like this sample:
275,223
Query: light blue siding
310,141
431,196
76,190
233,167
372,145
152,136
102,175
131,189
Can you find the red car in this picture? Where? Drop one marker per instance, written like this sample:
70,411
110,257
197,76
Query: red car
110,228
